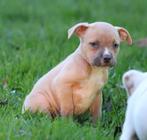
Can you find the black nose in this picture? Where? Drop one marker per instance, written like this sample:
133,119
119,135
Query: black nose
107,58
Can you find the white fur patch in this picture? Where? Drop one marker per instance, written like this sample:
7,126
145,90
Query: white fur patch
107,52
136,113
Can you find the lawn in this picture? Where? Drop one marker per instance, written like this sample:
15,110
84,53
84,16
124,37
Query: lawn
33,39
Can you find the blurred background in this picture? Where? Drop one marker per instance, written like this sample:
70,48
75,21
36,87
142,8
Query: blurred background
33,39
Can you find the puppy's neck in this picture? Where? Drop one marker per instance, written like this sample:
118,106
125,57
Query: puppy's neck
81,53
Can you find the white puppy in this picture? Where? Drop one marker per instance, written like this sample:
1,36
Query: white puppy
135,125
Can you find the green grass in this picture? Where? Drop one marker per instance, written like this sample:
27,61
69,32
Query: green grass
33,39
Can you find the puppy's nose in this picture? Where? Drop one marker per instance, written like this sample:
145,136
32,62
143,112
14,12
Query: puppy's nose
107,58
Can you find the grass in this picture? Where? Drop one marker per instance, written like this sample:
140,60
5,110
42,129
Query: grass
33,39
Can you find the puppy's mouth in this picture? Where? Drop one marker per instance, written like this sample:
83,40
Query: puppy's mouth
104,65
107,65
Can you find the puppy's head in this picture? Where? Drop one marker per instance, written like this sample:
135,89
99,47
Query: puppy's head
131,79
100,42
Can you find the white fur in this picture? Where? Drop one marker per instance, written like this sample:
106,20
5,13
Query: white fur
107,52
136,114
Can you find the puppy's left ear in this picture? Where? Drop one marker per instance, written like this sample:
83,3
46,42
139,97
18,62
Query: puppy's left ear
124,35
79,29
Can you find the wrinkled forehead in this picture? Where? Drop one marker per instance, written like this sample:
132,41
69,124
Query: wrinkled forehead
102,32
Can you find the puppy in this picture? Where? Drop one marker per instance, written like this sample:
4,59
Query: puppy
74,86
135,125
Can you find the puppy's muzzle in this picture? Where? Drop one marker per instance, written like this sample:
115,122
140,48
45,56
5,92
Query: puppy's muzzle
107,58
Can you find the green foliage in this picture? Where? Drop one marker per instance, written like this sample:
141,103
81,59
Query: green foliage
33,39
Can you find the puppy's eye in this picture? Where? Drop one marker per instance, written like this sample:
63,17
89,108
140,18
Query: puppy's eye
94,44
115,45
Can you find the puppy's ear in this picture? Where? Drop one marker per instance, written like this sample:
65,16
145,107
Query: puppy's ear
124,35
79,29
128,85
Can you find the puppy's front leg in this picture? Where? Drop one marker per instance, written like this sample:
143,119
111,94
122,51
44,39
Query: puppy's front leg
64,95
66,104
96,107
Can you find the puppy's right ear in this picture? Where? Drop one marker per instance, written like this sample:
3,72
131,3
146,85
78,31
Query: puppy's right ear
79,29
127,84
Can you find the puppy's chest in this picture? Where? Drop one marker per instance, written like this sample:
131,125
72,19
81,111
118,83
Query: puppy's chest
87,89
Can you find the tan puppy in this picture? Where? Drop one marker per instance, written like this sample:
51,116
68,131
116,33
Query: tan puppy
74,85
